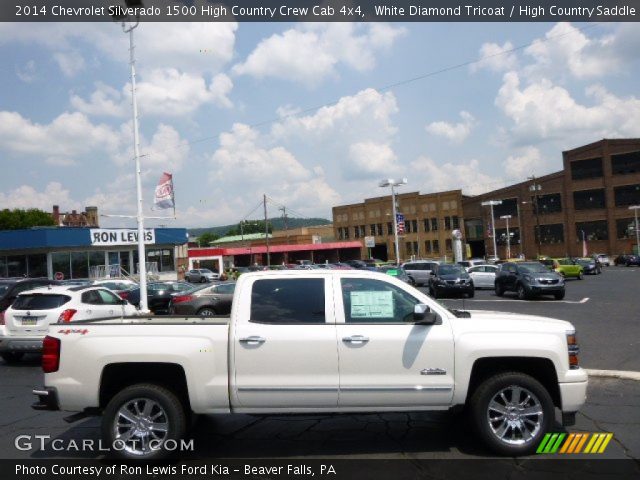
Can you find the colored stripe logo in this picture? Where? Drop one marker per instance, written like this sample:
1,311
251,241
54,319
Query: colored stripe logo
574,443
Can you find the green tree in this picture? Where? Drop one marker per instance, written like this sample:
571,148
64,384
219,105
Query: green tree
250,226
206,238
18,219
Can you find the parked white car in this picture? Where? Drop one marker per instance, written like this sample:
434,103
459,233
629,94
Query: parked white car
27,320
603,259
483,276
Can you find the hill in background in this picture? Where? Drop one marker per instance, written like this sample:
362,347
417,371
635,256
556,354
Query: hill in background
277,224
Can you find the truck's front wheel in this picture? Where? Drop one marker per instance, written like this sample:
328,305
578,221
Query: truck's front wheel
141,419
512,411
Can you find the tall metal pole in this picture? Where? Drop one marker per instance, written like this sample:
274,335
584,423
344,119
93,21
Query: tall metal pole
266,229
493,232
142,266
508,238
635,208
534,188
395,224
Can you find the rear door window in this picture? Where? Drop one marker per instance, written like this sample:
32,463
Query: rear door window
40,302
288,301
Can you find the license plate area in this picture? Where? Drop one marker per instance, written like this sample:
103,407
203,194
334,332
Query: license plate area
29,321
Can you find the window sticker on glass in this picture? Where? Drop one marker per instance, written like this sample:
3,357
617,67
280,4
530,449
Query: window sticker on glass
372,304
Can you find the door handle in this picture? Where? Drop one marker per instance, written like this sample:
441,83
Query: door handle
253,340
355,339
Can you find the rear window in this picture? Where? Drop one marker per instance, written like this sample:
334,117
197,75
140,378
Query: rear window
39,302
286,301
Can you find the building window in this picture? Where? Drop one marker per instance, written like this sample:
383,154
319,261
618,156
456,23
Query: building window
501,236
163,258
16,265
434,224
625,228
407,226
415,248
380,229
474,229
436,246
414,226
455,222
79,265
372,229
549,203
553,233
448,245
589,199
61,262
447,223
582,169
389,228
627,195
596,230
509,206
426,225
37,265
427,247
3,266
625,163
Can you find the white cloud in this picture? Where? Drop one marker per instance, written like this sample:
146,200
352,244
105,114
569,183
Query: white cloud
172,93
27,73
68,136
526,162
455,132
497,58
432,176
309,53
26,196
543,110
71,63
372,158
104,101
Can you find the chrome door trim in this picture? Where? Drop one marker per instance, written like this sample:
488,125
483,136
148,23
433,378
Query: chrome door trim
414,388
287,389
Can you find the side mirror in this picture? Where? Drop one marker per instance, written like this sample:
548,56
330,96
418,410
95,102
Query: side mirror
432,273
422,315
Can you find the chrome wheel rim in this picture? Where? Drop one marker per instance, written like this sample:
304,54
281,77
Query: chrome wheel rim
140,427
207,313
515,415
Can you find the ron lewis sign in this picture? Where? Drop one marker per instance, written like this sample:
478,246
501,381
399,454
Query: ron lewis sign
120,236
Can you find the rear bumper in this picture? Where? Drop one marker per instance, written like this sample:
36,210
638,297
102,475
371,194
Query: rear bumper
47,399
21,344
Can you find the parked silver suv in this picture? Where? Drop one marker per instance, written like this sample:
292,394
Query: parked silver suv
419,271
201,275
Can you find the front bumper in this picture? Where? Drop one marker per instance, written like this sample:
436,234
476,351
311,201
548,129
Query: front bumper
539,289
455,288
47,399
573,391
31,344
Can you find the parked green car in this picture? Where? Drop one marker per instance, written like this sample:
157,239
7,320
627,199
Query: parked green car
564,266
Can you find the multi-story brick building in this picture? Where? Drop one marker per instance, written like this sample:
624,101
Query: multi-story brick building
429,222
586,201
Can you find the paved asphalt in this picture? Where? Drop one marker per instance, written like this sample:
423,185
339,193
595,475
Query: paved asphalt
607,333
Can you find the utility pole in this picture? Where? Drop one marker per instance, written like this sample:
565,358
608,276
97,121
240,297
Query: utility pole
266,229
535,188
286,229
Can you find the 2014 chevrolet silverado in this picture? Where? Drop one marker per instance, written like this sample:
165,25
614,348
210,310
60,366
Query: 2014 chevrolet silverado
316,341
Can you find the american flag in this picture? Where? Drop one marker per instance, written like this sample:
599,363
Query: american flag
400,223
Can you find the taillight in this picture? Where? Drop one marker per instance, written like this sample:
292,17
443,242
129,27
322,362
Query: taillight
50,354
182,298
124,295
67,315
574,349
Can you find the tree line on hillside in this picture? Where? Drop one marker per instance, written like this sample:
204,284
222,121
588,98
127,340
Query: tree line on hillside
19,218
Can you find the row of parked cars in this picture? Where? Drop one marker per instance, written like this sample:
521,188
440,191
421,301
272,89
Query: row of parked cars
29,305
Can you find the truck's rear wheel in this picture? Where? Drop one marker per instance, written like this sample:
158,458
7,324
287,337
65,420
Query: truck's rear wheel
140,419
511,412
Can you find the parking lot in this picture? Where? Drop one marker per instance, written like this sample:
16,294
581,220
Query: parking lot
603,308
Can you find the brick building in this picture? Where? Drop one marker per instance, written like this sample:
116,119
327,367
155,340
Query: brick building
88,218
429,222
588,199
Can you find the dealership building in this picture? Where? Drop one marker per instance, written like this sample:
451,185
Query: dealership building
79,252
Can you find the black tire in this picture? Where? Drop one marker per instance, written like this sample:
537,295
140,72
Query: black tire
12,358
522,292
580,277
485,423
433,293
558,295
412,281
173,412
203,280
499,290
471,294
207,312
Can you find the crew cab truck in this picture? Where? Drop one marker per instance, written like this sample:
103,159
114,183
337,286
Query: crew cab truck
316,341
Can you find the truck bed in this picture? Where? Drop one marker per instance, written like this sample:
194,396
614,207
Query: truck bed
156,320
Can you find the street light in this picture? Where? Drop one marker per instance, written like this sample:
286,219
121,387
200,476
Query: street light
491,203
535,188
506,218
635,209
390,182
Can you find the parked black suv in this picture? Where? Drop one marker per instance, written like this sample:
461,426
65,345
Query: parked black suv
448,279
11,287
528,279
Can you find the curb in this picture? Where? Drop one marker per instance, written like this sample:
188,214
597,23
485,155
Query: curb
621,374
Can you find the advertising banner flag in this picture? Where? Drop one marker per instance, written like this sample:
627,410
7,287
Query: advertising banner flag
164,192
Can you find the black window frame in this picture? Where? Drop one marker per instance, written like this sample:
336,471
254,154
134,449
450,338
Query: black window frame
587,168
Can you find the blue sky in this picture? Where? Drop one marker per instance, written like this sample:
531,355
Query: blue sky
230,110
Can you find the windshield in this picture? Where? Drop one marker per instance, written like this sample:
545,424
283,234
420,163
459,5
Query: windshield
565,261
450,270
533,268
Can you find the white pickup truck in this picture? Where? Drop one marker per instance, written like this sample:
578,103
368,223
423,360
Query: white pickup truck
315,341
